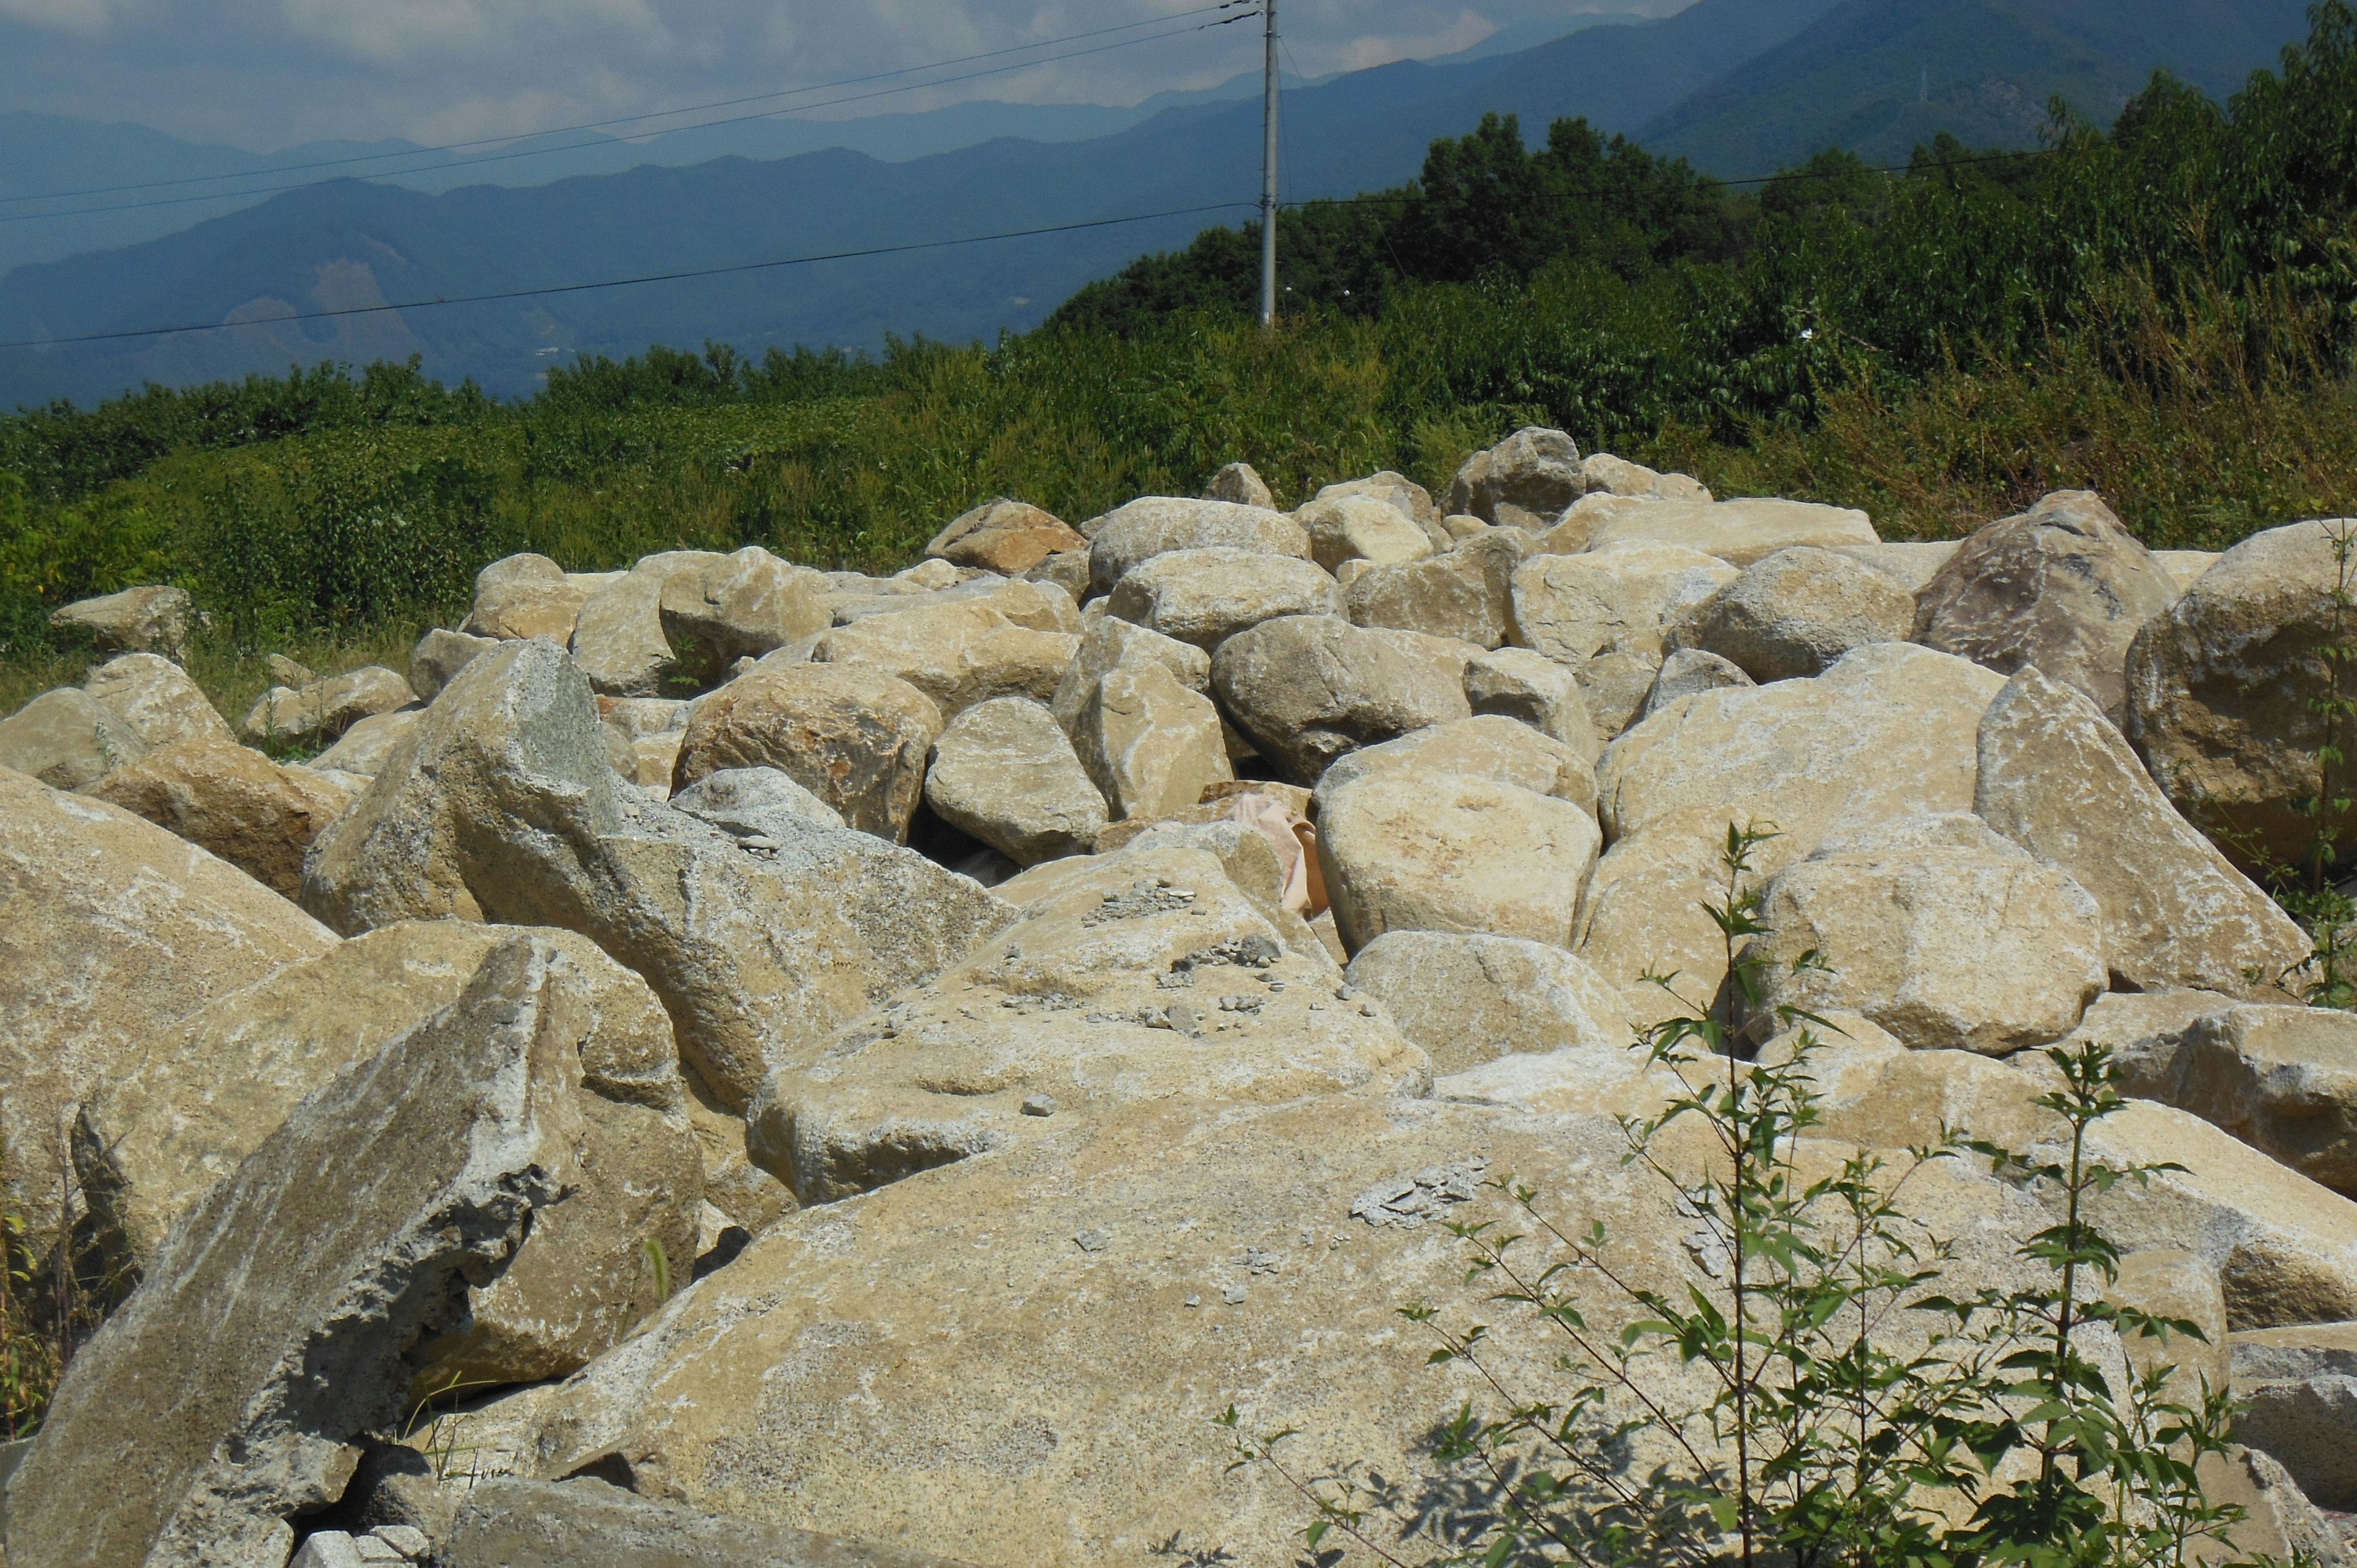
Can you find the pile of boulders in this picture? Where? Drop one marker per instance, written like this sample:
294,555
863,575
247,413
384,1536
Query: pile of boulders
723,1048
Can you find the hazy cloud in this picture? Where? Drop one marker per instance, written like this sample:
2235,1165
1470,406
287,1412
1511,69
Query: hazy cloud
267,73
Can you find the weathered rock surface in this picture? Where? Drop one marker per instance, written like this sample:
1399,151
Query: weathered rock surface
1793,613
1005,773
1399,492
618,636
1574,608
111,930
1308,688
2281,1078
855,737
511,1523
66,738
2299,1389
1524,481
1737,532
1408,849
1688,672
1109,642
1205,597
1241,484
1912,562
1144,975
153,619
1617,475
964,651
1007,537
1466,594
256,814
188,1106
528,596
1469,999
2223,687
2185,566
1360,527
742,800
1130,535
502,806
1486,745
439,655
1941,932
1519,684
2063,586
366,744
157,700
1149,744
1615,686
2057,780
325,709
348,1236
738,607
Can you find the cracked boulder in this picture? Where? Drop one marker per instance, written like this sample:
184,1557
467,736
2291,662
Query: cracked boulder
1466,594
1524,481
157,698
1011,642
1005,773
1736,532
857,738
738,607
260,816
1130,535
1007,537
1205,597
1468,999
1797,611
1574,609
1307,689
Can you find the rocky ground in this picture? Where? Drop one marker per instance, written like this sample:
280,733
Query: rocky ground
783,1051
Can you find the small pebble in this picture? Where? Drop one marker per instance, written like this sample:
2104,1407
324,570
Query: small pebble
1038,1105
1234,1295
1194,1301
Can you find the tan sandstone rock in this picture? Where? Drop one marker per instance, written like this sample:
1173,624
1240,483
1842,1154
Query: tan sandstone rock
1519,684
1688,672
1486,745
1524,481
1132,534
1308,688
111,929
1007,537
1241,484
618,636
2057,780
738,607
1205,597
325,709
527,596
1466,594
1618,476
1574,608
855,737
1150,745
256,814
1737,532
153,619
2281,1078
1108,643
1362,526
1468,999
1409,849
1794,612
2063,587
958,653
1004,772
2222,688
1938,930
66,738
157,700
441,654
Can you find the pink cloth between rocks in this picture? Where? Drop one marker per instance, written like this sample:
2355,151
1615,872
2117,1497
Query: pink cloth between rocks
1296,844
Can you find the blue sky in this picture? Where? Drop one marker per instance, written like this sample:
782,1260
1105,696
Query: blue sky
268,73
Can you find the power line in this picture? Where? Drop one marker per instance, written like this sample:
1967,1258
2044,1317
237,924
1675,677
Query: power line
624,283
580,146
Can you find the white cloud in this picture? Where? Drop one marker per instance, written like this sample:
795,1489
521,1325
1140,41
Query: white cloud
89,18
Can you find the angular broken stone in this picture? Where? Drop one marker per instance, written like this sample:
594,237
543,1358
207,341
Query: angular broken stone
1205,597
1132,534
740,606
66,738
157,698
1308,688
1004,536
1524,481
154,619
857,738
259,815
1005,773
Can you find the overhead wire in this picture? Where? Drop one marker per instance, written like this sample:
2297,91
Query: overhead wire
667,114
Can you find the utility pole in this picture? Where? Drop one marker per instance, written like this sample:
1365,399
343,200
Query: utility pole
1268,169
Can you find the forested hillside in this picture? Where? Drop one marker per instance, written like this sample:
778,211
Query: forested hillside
2164,311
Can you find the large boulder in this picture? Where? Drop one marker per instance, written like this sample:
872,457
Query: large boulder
256,814
1004,772
964,650
1939,931
1241,484
2226,689
1516,684
502,805
1793,613
152,619
1205,597
528,596
1411,848
1004,536
1150,745
354,1232
157,698
857,738
2281,1078
506,1521
190,1103
111,930
1109,642
364,747
740,606
2058,780
441,654
1487,746
1575,607
1911,563
1739,532
1150,975
66,738
1310,688
319,712
1689,672
2298,1388
2063,586
618,637
1608,475
1524,481
1466,594
1641,914
1468,999
1355,526
1130,535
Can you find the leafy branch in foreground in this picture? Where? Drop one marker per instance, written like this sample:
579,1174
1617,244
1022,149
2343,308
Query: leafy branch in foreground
1811,1395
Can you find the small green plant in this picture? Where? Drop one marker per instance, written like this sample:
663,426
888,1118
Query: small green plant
1855,1412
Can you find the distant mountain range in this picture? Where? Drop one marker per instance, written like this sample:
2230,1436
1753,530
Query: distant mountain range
1742,86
